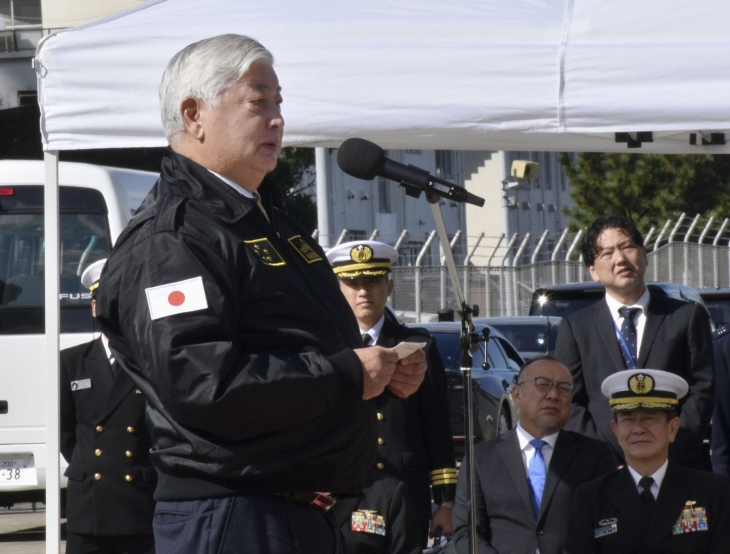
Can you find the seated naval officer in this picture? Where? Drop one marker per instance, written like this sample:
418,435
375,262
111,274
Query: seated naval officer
525,479
415,443
104,439
651,504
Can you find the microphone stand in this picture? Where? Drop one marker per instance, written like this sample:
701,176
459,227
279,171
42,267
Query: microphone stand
468,339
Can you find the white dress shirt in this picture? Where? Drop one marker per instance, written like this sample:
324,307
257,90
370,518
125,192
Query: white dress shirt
658,477
639,319
375,331
528,451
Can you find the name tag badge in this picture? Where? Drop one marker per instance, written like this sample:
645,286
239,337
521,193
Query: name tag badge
265,252
305,251
81,384
608,527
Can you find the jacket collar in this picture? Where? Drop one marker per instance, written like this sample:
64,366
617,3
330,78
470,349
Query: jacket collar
181,175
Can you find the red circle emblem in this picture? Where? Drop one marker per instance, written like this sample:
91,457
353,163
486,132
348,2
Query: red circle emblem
176,298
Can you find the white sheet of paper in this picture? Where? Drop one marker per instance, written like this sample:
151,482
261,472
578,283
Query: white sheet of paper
405,349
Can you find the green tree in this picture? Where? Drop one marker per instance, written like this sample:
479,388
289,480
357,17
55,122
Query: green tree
295,175
648,188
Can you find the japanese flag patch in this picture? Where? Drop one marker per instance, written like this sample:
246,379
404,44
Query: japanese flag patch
176,298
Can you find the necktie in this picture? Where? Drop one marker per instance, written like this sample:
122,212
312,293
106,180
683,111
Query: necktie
536,474
628,332
366,338
647,498
257,197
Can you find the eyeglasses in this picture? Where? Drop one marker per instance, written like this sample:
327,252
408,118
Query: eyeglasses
545,385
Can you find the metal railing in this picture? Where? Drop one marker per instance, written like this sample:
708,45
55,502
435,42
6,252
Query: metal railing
500,274
23,38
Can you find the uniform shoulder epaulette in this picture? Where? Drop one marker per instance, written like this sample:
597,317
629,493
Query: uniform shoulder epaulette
720,331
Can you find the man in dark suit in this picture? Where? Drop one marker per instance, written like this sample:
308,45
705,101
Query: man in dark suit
651,504
104,438
635,328
414,434
525,479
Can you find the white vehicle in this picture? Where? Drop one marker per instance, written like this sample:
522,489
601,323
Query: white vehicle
96,203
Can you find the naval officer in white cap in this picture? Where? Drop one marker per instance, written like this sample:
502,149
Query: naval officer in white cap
104,439
415,443
650,504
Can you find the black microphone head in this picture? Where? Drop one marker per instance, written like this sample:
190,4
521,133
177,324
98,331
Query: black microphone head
360,158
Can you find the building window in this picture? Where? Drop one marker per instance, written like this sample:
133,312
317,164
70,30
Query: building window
413,152
355,234
27,98
551,208
548,170
541,207
384,196
526,206
444,167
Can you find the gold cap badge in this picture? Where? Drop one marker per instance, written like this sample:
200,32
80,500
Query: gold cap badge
361,253
641,384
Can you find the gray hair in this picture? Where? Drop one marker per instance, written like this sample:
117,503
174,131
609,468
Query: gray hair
203,70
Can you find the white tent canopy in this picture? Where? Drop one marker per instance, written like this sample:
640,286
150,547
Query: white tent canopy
449,74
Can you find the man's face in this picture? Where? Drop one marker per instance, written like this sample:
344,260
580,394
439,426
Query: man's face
644,436
620,264
367,297
242,135
543,412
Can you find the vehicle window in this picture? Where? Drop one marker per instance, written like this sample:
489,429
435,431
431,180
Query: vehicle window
719,310
564,306
496,356
527,338
84,239
514,360
450,351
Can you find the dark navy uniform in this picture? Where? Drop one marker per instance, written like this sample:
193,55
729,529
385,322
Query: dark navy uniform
691,515
105,441
415,443
234,328
379,521
721,413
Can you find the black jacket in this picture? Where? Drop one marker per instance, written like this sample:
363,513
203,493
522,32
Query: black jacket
415,432
260,391
105,441
608,516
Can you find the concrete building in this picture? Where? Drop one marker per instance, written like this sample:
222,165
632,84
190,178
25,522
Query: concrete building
22,25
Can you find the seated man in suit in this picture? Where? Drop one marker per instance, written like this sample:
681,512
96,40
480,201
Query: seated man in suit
633,328
651,504
525,479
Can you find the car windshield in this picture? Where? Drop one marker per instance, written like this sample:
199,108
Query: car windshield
719,309
84,240
564,306
530,337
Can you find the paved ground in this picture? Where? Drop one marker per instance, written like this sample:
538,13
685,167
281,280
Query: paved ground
23,531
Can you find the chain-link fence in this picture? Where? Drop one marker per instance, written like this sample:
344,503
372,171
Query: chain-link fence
501,277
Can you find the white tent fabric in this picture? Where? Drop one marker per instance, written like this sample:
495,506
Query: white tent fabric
448,74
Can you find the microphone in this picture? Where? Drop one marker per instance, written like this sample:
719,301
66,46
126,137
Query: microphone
365,160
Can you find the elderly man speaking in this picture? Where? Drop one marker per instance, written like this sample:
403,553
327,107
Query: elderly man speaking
230,321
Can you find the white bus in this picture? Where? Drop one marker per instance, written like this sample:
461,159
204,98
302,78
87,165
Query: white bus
96,203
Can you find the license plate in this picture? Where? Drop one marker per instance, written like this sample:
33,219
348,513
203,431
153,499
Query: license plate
17,469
